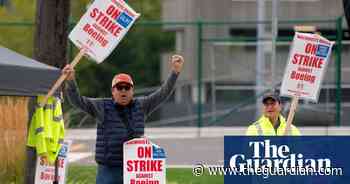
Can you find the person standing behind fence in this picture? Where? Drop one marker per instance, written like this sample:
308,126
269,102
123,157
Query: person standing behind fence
119,118
272,122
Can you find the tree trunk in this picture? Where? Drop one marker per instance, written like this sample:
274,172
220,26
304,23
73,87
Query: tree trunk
50,44
50,47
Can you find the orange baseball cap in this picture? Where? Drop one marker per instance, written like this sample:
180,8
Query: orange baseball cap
122,77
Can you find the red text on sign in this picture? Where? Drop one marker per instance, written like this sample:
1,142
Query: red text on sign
96,35
113,11
310,48
144,181
144,152
144,165
305,60
302,77
48,176
103,20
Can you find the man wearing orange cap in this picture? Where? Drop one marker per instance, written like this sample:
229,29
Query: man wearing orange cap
119,118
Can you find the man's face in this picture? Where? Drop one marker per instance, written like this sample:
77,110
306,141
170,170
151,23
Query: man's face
271,108
123,93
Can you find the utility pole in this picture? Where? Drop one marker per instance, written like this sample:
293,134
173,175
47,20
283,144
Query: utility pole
50,47
260,54
50,39
274,26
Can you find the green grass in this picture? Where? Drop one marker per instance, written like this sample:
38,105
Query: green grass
87,174
184,176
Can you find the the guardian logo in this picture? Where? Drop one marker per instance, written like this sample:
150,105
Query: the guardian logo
267,155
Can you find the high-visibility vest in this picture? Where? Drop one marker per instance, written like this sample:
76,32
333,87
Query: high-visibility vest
265,128
46,131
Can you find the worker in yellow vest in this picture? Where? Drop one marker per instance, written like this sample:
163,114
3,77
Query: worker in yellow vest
46,130
271,123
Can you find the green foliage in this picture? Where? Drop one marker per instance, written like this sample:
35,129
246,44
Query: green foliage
138,54
185,176
149,9
81,174
19,36
18,10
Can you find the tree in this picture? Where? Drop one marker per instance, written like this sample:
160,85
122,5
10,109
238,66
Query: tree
137,54
50,39
50,43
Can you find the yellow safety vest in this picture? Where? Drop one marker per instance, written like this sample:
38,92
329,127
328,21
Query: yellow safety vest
265,128
46,131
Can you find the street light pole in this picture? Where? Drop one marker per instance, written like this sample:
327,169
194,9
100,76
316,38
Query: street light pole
274,26
260,54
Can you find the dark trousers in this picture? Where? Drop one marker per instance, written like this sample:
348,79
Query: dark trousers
109,175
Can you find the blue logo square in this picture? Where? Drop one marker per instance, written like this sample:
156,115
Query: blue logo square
63,151
124,20
322,50
158,152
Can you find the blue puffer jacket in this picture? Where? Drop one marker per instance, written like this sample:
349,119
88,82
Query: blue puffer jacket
120,124
117,124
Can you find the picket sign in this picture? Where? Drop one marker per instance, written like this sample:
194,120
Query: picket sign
46,174
98,33
292,109
304,73
144,162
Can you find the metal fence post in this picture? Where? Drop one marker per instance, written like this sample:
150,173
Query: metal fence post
199,71
338,69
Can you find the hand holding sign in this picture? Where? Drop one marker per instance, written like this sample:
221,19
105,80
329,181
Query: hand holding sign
69,71
98,32
305,69
62,78
306,66
144,162
102,27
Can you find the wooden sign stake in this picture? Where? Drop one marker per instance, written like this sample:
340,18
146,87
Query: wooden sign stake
62,78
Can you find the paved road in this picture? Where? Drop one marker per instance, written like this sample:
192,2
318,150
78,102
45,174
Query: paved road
183,146
180,152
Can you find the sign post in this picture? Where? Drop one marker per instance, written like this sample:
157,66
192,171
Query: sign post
98,32
61,79
307,63
293,108
144,162
46,174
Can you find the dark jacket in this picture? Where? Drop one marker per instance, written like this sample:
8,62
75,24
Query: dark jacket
117,124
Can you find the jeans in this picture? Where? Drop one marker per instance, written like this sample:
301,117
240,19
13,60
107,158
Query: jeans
109,175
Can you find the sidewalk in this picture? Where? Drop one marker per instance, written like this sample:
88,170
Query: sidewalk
184,147
206,132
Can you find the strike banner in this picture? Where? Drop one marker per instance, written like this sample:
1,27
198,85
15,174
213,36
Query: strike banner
45,174
144,162
307,63
102,27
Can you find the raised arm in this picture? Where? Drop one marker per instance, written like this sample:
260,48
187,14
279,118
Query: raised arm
92,106
152,101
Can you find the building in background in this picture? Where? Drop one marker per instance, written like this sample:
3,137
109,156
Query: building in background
229,68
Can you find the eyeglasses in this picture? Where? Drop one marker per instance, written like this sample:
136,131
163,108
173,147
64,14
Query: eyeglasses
120,88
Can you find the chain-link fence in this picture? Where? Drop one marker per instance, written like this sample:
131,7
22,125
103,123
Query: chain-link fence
227,68
219,86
